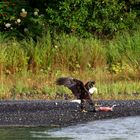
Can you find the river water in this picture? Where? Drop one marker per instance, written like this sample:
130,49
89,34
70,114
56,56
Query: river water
114,129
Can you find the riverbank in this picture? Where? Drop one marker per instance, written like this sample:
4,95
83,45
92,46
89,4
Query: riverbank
25,113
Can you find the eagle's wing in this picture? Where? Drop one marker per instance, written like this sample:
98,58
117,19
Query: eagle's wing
75,85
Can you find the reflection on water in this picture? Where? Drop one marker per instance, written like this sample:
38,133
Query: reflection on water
26,134
114,129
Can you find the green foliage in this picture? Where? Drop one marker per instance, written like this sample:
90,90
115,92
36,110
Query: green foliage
124,50
69,16
18,19
102,17
108,17
29,68
10,12
71,53
119,90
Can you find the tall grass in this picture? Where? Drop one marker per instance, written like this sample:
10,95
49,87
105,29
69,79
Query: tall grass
119,90
29,68
125,49
74,53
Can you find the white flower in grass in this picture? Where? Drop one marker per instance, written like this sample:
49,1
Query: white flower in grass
35,13
23,10
25,30
18,20
23,13
7,25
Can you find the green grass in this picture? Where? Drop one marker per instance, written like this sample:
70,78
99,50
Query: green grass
119,90
28,69
42,86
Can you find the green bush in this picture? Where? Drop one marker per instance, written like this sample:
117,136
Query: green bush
10,13
18,18
100,17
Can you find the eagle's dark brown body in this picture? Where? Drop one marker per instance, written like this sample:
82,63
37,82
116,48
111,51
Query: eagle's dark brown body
79,90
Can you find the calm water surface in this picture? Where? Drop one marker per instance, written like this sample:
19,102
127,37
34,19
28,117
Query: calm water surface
114,129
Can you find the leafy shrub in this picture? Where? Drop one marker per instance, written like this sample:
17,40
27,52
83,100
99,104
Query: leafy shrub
10,13
102,17
19,18
108,17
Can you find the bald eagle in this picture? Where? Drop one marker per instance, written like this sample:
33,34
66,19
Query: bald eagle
80,91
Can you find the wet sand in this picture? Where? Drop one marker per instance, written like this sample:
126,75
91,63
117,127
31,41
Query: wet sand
24,113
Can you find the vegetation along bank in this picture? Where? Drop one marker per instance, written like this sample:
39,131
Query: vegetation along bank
43,40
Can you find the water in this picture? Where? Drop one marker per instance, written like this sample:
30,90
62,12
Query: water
114,129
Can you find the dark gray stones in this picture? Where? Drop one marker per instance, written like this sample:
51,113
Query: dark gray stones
59,112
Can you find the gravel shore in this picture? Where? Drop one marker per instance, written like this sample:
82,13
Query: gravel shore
59,112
